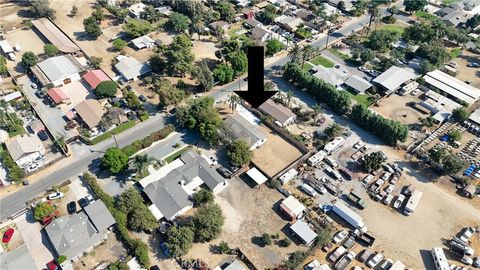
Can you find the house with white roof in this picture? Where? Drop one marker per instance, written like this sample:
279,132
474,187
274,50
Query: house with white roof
393,78
143,42
292,208
236,127
25,150
452,87
58,70
137,9
130,68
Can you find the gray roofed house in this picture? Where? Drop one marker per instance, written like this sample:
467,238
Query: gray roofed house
283,115
143,42
73,235
58,70
333,76
358,84
235,127
25,150
99,215
394,77
253,23
171,193
260,34
456,18
17,259
131,69
220,24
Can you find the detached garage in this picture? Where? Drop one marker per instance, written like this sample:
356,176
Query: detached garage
257,176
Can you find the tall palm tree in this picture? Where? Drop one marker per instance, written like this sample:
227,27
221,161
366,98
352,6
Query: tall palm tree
295,53
233,101
307,53
141,162
373,11
289,97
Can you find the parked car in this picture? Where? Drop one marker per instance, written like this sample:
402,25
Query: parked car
214,160
56,195
89,198
466,260
476,262
142,98
42,135
327,247
165,250
388,199
399,201
34,85
473,64
52,265
389,189
83,202
386,264
467,234
7,236
365,255
40,94
375,260
72,207
340,236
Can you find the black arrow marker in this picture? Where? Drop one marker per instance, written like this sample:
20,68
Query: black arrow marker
256,94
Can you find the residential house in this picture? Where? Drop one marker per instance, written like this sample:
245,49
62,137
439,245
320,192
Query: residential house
131,69
252,23
241,3
279,3
282,115
19,258
357,84
219,25
94,77
348,4
136,10
292,208
456,18
452,87
333,76
248,13
90,111
236,265
260,34
304,232
164,10
305,15
55,35
289,23
262,5
170,194
58,70
71,236
236,127
58,96
143,42
7,49
393,78
25,150
12,96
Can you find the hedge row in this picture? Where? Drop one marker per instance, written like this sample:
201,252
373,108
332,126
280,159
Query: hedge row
339,101
138,145
136,247
114,131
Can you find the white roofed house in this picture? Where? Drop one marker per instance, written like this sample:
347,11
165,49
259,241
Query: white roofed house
143,42
292,208
130,68
235,127
393,78
25,150
304,232
58,70
357,84
136,9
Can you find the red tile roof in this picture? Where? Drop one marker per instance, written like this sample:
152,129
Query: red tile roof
94,77
57,95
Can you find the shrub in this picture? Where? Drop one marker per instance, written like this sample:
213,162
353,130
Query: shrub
43,210
144,116
106,89
285,242
61,259
147,141
266,239
223,248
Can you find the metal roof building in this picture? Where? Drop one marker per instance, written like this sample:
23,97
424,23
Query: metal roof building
58,70
95,77
55,36
394,77
292,207
257,176
304,232
283,115
143,42
452,86
235,127
5,46
131,69
357,84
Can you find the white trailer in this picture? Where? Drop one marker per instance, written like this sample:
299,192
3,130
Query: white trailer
334,145
412,202
350,216
315,159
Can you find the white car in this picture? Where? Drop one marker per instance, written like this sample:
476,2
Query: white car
467,260
358,145
312,265
388,199
34,85
467,234
390,189
214,160
399,201
56,195
340,236
375,260
322,190
366,180
89,198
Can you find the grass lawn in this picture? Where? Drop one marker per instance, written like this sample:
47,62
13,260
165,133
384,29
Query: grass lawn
362,99
338,53
449,2
177,154
320,60
426,15
307,66
454,53
394,28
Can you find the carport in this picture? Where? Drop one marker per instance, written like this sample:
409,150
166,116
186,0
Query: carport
257,176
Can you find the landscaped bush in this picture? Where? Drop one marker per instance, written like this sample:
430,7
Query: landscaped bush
138,145
147,141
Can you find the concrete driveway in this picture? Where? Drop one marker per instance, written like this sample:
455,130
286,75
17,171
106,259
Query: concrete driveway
79,188
36,239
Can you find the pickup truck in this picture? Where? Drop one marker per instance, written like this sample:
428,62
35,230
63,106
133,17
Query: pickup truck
364,238
337,253
377,185
345,260
356,200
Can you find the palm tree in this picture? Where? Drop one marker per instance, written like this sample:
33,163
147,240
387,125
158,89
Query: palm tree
307,53
289,97
295,53
141,162
373,11
329,32
60,143
197,27
233,101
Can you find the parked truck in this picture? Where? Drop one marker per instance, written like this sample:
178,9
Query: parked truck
338,252
356,200
350,216
364,238
412,202
345,260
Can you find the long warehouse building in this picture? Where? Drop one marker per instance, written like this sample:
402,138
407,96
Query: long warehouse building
452,87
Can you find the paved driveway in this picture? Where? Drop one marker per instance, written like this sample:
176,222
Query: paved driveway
79,188
35,238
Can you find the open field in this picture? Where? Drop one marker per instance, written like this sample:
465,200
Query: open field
280,153
468,73
395,107
28,41
394,28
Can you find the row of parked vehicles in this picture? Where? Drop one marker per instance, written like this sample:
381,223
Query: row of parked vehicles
460,245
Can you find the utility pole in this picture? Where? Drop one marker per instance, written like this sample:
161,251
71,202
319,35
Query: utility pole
115,139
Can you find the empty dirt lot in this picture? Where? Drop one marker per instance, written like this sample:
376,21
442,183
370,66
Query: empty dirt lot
275,154
395,107
249,213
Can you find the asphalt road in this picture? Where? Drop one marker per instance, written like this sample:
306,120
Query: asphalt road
13,203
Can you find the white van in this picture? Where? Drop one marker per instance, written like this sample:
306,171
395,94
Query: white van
309,190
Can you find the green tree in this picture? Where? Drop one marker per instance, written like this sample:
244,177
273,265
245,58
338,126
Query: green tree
414,5
95,62
178,22
455,135
150,14
119,44
373,161
137,27
43,210
324,236
202,197
273,46
268,14
132,100
285,242
203,75
295,53
41,8
98,14
223,73
50,50
266,239
239,152
168,94
114,160
460,114
295,259
91,27
208,222
367,55
239,62
380,40
438,154
142,219
29,59
3,65
453,164
226,10
106,89
118,266
179,55
223,248
179,240
332,131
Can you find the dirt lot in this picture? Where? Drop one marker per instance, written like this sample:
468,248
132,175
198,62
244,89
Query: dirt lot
9,15
279,152
204,49
28,41
249,213
110,251
395,107
468,73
